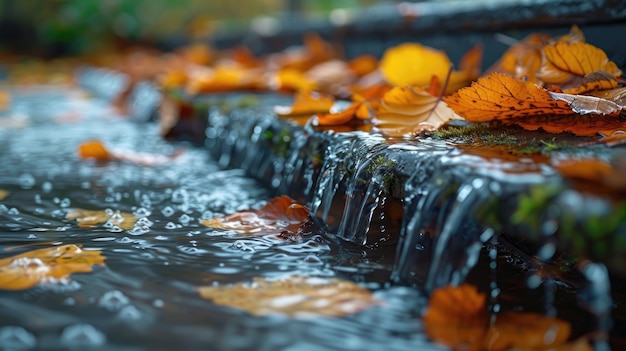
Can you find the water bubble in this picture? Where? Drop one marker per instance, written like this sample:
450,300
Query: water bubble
82,335
115,229
180,196
26,181
66,202
130,312
144,222
184,219
142,212
16,338
46,187
139,230
546,251
85,185
534,281
242,246
167,211
37,199
113,300
170,225
158,303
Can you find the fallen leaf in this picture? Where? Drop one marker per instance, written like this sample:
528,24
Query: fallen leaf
565,64
597,80
95,149
469,70
457,317
613,137
363,65
338,117
89,218
406,110
290,79
280,216
523,59
527,331
297,297
306,103
4,194
413,64
501,97
617,95
45,266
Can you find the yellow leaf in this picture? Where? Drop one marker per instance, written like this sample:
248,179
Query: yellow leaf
292,79
89,218
46,265
3,194
406,110
294,297
413,64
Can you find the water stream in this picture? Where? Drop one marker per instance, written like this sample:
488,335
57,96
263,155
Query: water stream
401,218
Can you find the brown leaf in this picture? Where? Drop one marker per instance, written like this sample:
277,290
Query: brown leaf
281,214
89,218
457,317
501,97
526,331
298,297
45,266
406,110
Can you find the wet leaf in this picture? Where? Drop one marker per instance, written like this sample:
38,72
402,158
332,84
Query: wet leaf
527,331
95,149
565,64
4,194
306,103
613,137
279,216
406,110
363,65
596,172
457,317
583,104
292,79
598,80
45,266
413,64
338,117
298,297
617,95
501,97
90,218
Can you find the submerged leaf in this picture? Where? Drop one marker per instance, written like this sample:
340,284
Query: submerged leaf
89,218
46,265
95,149
296,297
281,215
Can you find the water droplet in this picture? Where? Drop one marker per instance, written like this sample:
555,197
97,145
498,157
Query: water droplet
546,251
46,187
170,225
16,338
139,230
549,228
184,219
144,222
113,300
158,303
167,211
129,312
26,181
534,281
142,212
82,335
66,202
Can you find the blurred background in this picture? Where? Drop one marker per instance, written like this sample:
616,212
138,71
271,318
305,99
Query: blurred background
50,28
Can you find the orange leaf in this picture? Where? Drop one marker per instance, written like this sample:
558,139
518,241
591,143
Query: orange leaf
598,80
526,331
298,297
5,100
406,110
338,117
280,216
306,103
46,266
89,218
363,65
413,64
456,317
565,64
292,79
95,149
501,97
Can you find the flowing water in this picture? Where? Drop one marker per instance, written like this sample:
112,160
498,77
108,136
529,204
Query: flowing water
401,219
145,297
